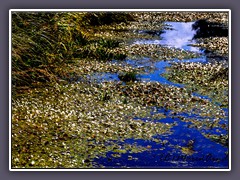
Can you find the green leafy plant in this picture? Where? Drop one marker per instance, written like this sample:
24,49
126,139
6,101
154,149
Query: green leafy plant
128,76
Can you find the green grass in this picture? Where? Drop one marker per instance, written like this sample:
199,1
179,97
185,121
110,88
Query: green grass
43,43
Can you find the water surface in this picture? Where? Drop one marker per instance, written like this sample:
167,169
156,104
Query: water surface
205,153
180,36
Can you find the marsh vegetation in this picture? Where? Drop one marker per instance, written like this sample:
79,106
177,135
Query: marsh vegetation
65,116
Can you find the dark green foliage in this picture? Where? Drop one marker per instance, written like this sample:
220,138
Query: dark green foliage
128,76
205,29
105,18
108,43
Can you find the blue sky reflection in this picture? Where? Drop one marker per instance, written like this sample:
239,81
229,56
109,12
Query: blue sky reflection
180,36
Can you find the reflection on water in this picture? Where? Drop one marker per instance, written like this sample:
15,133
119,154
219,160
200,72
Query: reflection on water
103,76
176,152
153,71
180,36
169,155
160,68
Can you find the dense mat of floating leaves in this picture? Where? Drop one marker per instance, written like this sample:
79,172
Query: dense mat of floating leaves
74,32
91,66
150,24
129,32
219,45
209,79
70,125
212,129
182,16
64,126
156,51
136,29
169,97
153,22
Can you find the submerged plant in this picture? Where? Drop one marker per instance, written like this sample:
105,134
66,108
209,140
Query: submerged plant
128,77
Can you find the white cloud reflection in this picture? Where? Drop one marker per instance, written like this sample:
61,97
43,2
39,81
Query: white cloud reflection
179,37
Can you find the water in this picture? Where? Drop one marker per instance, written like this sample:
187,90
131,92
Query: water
179,37
160,68
206,153
101,77
154,76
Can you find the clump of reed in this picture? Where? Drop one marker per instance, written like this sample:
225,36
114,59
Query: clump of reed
44,42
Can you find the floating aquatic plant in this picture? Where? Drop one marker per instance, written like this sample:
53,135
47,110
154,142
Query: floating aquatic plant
70,125
128,76
207,79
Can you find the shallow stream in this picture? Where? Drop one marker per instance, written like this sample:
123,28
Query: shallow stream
185,146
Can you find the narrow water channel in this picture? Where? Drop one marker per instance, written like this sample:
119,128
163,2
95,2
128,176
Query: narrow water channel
204,153
178,35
